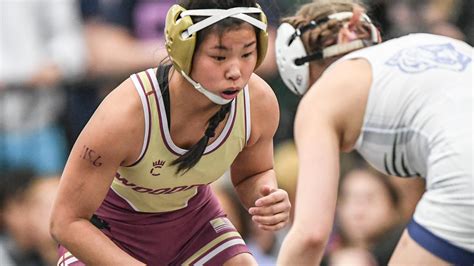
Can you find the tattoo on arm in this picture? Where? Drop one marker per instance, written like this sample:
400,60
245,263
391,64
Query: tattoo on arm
91,156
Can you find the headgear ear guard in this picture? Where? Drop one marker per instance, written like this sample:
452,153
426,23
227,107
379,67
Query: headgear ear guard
181,38
293,60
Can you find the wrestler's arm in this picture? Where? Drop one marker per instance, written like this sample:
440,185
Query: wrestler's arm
328,121
111,138
252,171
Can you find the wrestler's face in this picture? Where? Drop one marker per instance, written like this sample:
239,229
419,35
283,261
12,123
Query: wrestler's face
365,208
223,63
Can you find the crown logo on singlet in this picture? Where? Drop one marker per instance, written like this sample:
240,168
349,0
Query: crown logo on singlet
156,166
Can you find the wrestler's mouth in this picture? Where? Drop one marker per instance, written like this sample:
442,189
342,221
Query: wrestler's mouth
230,93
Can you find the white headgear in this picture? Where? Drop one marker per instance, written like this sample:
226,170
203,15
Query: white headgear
293,60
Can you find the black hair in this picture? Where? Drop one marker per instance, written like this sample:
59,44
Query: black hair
194,154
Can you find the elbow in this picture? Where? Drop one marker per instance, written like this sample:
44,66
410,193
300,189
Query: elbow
57,228
314,238
54,229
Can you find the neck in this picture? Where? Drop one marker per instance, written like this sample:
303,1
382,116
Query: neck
190,102
317,68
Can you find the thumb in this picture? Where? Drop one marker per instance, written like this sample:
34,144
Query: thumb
266,190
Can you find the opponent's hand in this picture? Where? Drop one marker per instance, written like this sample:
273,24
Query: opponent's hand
272,211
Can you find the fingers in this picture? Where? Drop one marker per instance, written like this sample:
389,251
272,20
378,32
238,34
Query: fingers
272,211
281,206
276,195
270,220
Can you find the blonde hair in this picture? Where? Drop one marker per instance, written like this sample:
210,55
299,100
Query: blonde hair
326,34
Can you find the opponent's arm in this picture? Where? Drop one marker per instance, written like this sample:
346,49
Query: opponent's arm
109,140
252,172
328,121
318,155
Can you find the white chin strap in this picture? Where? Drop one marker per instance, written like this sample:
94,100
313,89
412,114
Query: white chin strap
211,96
214,16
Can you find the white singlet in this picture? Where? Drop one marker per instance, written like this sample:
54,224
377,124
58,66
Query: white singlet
418,122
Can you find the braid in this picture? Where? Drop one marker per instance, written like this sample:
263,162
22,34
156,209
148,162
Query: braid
326,34
215,120
194,154
321,36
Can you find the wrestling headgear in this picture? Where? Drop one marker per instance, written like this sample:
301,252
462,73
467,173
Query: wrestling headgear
293,60
180,32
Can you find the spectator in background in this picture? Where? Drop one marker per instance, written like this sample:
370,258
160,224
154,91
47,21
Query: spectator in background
353,256
41,48
465,20
122,36
368,214
25,204
438,17
443,17
263,245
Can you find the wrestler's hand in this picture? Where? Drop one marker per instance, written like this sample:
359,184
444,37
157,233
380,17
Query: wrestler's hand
272,211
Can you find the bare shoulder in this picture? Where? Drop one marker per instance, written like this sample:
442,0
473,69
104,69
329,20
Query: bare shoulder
121,105
264,108
119,119
347,75
260,88
342,83
126,96
340,97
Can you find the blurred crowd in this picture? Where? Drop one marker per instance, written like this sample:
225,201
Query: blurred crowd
60,58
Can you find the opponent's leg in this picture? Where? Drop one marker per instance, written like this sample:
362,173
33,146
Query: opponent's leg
408,252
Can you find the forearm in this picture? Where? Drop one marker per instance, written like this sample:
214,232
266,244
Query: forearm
248,189
299,248
318,177
90,245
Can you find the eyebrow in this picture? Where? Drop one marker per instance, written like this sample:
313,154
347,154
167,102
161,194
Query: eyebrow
222,47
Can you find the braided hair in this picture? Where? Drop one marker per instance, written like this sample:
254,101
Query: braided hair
194,154
326,34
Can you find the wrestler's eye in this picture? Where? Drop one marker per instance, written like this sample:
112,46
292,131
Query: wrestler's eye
219,58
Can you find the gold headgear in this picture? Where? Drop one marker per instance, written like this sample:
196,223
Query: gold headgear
181,38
